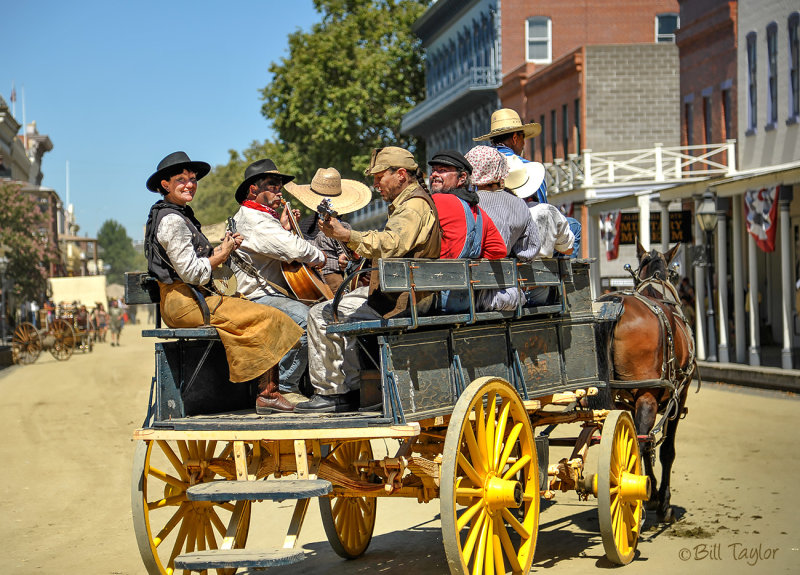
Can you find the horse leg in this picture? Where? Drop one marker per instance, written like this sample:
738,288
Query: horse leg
667,458
645,412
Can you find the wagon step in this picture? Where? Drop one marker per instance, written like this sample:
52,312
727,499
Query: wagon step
236,558
275,490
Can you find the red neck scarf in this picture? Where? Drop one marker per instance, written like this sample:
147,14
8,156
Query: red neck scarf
261,208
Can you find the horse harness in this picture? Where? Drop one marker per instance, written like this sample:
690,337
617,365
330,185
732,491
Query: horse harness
677,376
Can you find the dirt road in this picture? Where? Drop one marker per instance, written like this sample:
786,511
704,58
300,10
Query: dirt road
65,491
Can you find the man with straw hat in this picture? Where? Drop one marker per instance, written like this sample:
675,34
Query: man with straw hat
345,196
412,231
267,243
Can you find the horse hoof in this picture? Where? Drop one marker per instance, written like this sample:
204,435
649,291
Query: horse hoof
667,516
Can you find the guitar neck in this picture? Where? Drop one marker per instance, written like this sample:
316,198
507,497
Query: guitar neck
292,221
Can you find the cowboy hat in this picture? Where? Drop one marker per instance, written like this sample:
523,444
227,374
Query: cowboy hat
507,121
346,195
172,162
256,171
526,179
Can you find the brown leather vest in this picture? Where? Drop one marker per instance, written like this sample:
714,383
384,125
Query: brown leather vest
391,305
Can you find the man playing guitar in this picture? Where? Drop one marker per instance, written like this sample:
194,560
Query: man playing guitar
272,249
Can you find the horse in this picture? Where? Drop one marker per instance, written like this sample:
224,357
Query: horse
651,343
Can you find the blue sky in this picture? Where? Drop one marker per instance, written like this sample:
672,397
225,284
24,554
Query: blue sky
118,85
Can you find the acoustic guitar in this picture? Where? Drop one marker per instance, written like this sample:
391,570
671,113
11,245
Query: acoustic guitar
354,262
305,282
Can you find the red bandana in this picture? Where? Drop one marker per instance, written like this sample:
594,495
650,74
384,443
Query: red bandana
260,208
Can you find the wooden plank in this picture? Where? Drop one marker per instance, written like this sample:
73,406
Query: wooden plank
388,432
182,333
240,457
233,558
273,490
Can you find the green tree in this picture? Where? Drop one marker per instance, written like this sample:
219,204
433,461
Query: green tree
215,199
117,250
28,251
346,84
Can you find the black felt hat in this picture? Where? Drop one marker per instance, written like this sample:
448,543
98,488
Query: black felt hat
256,171
170,163
451,158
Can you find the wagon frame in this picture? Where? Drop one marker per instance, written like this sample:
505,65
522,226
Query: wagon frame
461,393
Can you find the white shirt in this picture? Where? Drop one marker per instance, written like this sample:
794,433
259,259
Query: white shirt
267,244
176,238
554,231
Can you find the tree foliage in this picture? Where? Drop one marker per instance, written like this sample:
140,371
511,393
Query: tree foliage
28,250
347,83
117,250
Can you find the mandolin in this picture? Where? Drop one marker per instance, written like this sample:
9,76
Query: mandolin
305,282
355,263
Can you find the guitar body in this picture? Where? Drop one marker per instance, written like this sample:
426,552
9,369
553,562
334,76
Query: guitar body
305,282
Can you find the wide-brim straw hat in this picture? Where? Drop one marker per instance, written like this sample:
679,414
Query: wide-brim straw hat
171,162
507,121
256,171
525,179
345,195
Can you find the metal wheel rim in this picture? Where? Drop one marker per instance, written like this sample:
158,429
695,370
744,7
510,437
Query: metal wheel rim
191,526
620,521
349,521
27,342
482,537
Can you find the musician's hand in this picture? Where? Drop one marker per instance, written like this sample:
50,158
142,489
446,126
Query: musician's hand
237,240
318,265
333,228
285,217
343,261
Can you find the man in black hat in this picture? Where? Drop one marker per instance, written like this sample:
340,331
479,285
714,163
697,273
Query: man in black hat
467,232
267,243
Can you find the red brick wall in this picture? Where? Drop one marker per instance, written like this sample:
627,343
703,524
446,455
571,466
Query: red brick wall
578,23
707,44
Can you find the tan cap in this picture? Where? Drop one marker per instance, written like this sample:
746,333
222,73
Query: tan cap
390,157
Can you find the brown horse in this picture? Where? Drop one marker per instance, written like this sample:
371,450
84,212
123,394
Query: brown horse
652,343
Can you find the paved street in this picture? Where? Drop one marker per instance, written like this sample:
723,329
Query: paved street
65,498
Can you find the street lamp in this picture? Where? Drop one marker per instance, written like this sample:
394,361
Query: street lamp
707,218
3,268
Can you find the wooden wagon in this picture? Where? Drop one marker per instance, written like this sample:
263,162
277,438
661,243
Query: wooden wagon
461,394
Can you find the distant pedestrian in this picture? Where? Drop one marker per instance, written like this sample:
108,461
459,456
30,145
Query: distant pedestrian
115,322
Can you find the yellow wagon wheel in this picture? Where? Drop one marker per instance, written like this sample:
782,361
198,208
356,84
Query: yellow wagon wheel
489,487
65,339
621,487
349,521
26,343
165,522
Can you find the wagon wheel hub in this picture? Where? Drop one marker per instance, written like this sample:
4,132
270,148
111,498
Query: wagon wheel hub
634,487
502,493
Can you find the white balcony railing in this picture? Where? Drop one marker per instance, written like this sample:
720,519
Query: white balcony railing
630,167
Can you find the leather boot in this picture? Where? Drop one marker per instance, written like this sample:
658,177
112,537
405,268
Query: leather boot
269,399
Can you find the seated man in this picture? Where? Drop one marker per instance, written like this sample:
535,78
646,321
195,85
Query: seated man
510,215
267,243
467,232
412,231
346,196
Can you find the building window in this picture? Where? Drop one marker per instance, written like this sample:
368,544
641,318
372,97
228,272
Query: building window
538,39
553,134
666,24
794,69
772,75
727,112
577,125
752,100
707,122
543,137
565,130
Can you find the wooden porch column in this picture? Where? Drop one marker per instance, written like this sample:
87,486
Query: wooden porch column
739,318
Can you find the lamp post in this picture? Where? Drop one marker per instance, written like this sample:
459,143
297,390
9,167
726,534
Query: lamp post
3,268
707,218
